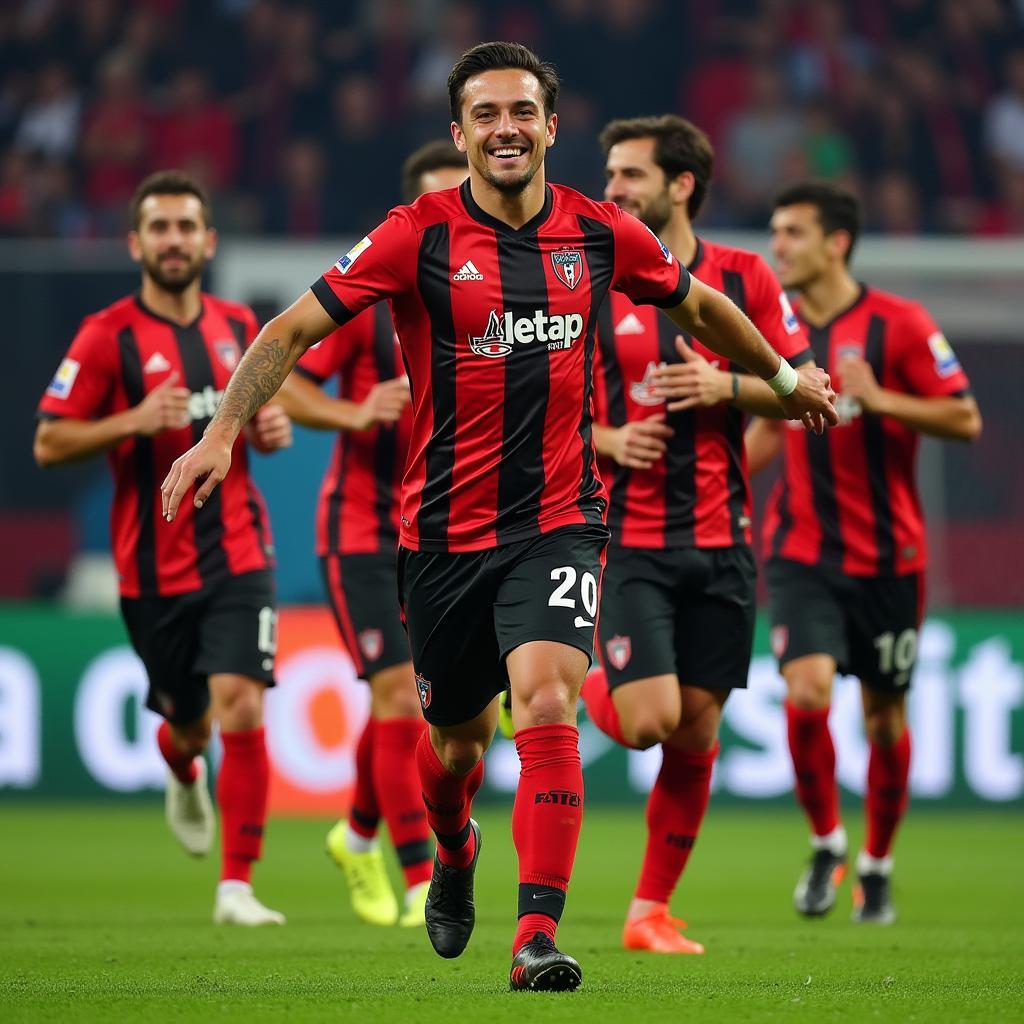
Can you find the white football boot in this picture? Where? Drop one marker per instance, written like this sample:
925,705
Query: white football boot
237,904
190,811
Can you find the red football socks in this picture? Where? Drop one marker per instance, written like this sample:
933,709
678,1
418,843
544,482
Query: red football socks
364,814
449,800
546,820
242,787
675,810
887,796
397,785
814,764
600,707
182,765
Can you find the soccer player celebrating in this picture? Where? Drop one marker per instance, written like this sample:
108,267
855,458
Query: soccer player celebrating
678,600
357,541
844,537
141,381
502,532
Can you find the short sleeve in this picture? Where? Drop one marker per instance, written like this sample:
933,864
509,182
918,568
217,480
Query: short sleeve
773,316
84,382
379,266
645,271
925,359
330,356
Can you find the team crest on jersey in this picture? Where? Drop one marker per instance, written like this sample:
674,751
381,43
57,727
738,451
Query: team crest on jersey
642,391
779,639
568,266
371,643
227,352
620,650
423,688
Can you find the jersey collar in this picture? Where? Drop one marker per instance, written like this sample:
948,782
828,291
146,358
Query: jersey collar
698,257
828,325
495,224
166,320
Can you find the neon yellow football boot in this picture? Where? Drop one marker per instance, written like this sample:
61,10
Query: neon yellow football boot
414,915
368,885
505,726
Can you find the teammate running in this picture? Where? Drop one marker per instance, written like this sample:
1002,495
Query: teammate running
844,537
678,600
141,381
357,541
501,533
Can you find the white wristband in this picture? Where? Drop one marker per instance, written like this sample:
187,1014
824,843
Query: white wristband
784,382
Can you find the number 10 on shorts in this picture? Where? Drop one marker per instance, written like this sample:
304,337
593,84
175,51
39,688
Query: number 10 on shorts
566,576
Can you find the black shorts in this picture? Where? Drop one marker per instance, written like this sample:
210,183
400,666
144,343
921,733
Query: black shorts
687,612
363,595
465,612
229,627
868,624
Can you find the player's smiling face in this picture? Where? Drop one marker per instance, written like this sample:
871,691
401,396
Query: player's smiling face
172,241
800,247
504,130
636,184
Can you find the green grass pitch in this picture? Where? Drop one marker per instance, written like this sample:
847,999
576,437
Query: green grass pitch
102,918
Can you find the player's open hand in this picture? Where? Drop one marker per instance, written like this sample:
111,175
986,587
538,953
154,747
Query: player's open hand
208,461
857,380
641,443
384,404
164,408
270,429
813,401
693,382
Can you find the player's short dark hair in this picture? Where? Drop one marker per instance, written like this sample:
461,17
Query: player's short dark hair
679,146
838,208
169,183
499,56
431,156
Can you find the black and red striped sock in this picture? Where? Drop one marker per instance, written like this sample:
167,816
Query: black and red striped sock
814,764
675,810
183,766
397,784
242,788
887,795
449,800
546,820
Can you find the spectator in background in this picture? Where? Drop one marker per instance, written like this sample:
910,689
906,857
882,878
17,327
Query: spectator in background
821,62
56,210
828,151
14,193
49,126
1004,119
115,141
460,27
760,147
894,205
197,132
1005,216
300,202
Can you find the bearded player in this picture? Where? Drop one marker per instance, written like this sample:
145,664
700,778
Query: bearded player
140,383
502,533
357,541
844,534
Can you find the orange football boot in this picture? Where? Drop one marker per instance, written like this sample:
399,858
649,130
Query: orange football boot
657,932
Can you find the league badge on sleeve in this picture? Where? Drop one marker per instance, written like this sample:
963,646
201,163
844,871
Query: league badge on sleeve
568,266
789,320
64,379
346,261
946,362
662,246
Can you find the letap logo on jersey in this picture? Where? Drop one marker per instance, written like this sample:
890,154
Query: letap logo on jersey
64,379
558,331
568,266
642,391
620,650
346,261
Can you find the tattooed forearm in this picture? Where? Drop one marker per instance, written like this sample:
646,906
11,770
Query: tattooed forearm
254,382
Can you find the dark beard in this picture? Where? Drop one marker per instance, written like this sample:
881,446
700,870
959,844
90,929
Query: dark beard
658,214
174,285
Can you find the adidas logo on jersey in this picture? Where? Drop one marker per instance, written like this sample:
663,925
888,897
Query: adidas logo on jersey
558,330
629,324
156,363
467,272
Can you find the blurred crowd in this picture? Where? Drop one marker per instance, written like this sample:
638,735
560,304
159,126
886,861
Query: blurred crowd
297,114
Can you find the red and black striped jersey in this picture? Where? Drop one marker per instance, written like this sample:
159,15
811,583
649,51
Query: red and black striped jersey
358,509
847,500
497,329
117,357
698,495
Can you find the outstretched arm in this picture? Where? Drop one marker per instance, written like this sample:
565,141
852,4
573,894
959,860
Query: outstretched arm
259,374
